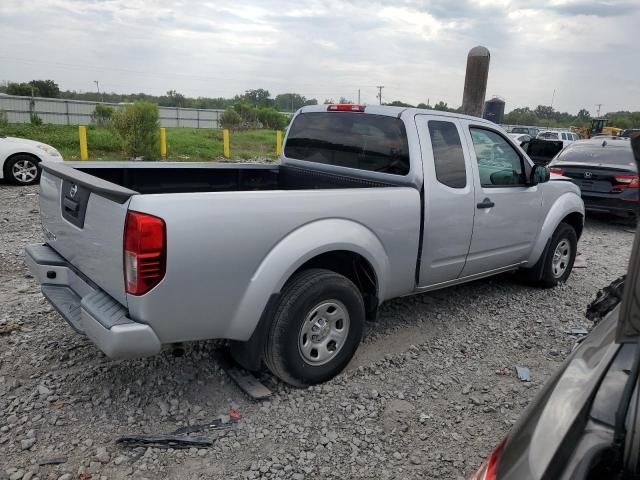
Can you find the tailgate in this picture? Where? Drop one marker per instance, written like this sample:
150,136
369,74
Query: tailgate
83,220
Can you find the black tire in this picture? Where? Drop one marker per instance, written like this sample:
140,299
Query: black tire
545,275
12,172
303,294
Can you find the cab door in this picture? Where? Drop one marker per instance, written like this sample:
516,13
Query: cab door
507,210
448,196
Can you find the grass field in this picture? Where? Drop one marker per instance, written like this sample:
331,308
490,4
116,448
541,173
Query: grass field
183,144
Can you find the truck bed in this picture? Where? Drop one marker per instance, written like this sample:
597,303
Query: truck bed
183,177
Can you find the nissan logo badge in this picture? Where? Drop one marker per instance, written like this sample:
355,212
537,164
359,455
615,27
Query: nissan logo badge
74,189
587,175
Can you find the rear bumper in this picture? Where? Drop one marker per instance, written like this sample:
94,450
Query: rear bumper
611,203
88,309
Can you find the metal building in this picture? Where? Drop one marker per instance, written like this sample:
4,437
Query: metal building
494,110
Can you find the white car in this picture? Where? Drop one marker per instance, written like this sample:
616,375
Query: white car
20,159
567,138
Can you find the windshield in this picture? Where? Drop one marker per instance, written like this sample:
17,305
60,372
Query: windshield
375,143
520,130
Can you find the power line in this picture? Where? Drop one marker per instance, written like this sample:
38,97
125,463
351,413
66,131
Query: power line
599,105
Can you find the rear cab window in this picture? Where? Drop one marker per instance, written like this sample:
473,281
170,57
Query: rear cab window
448,155
376,143
621,155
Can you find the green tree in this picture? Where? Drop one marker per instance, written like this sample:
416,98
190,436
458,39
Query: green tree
46,88
258,97
289,102
521,116
398,103
102,114
442,106
173,99
583,116
22,89
136,125
545,112
230,119
424,105
272,118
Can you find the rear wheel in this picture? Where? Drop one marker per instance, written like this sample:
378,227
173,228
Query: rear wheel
316,328
22,170
555,267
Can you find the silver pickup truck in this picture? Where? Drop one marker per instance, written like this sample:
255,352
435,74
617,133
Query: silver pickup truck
287,261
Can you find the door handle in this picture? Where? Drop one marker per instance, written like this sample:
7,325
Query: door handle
486,203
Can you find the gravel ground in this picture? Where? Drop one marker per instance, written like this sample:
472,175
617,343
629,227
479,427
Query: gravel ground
429,394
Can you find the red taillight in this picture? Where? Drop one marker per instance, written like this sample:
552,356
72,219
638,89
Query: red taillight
487,470
345,107
144,252
626,181
557,171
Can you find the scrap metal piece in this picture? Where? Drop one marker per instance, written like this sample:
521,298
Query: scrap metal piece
606,300
53,461
164,441
216,424
578,331
523,374
248,383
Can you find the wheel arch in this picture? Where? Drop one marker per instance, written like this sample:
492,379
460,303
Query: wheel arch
343,246
567,208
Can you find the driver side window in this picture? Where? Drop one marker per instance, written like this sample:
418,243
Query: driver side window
499,164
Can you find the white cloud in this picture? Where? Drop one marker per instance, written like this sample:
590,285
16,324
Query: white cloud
416,48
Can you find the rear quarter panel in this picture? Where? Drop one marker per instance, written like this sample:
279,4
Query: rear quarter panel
227,252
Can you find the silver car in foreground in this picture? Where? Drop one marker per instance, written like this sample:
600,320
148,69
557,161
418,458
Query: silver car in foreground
287,261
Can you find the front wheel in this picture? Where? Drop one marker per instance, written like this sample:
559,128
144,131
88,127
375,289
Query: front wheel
22,170
316,328
558,261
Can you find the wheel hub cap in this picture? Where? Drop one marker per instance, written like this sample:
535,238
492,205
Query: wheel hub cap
561,257
324,332
24,171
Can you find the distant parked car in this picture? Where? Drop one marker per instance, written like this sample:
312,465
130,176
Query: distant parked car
605,171
630,132
532,131
565,137
20,159
521,137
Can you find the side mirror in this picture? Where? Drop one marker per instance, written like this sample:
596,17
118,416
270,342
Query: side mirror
539,174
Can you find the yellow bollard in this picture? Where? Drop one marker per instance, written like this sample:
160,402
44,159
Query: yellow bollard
84,152
278,142
225,142
163,143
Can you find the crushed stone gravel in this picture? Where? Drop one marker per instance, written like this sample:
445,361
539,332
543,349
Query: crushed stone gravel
430,392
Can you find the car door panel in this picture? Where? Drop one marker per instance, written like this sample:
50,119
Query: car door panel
504,233
448,204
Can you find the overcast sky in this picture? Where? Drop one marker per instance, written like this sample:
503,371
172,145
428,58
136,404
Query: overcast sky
586,50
